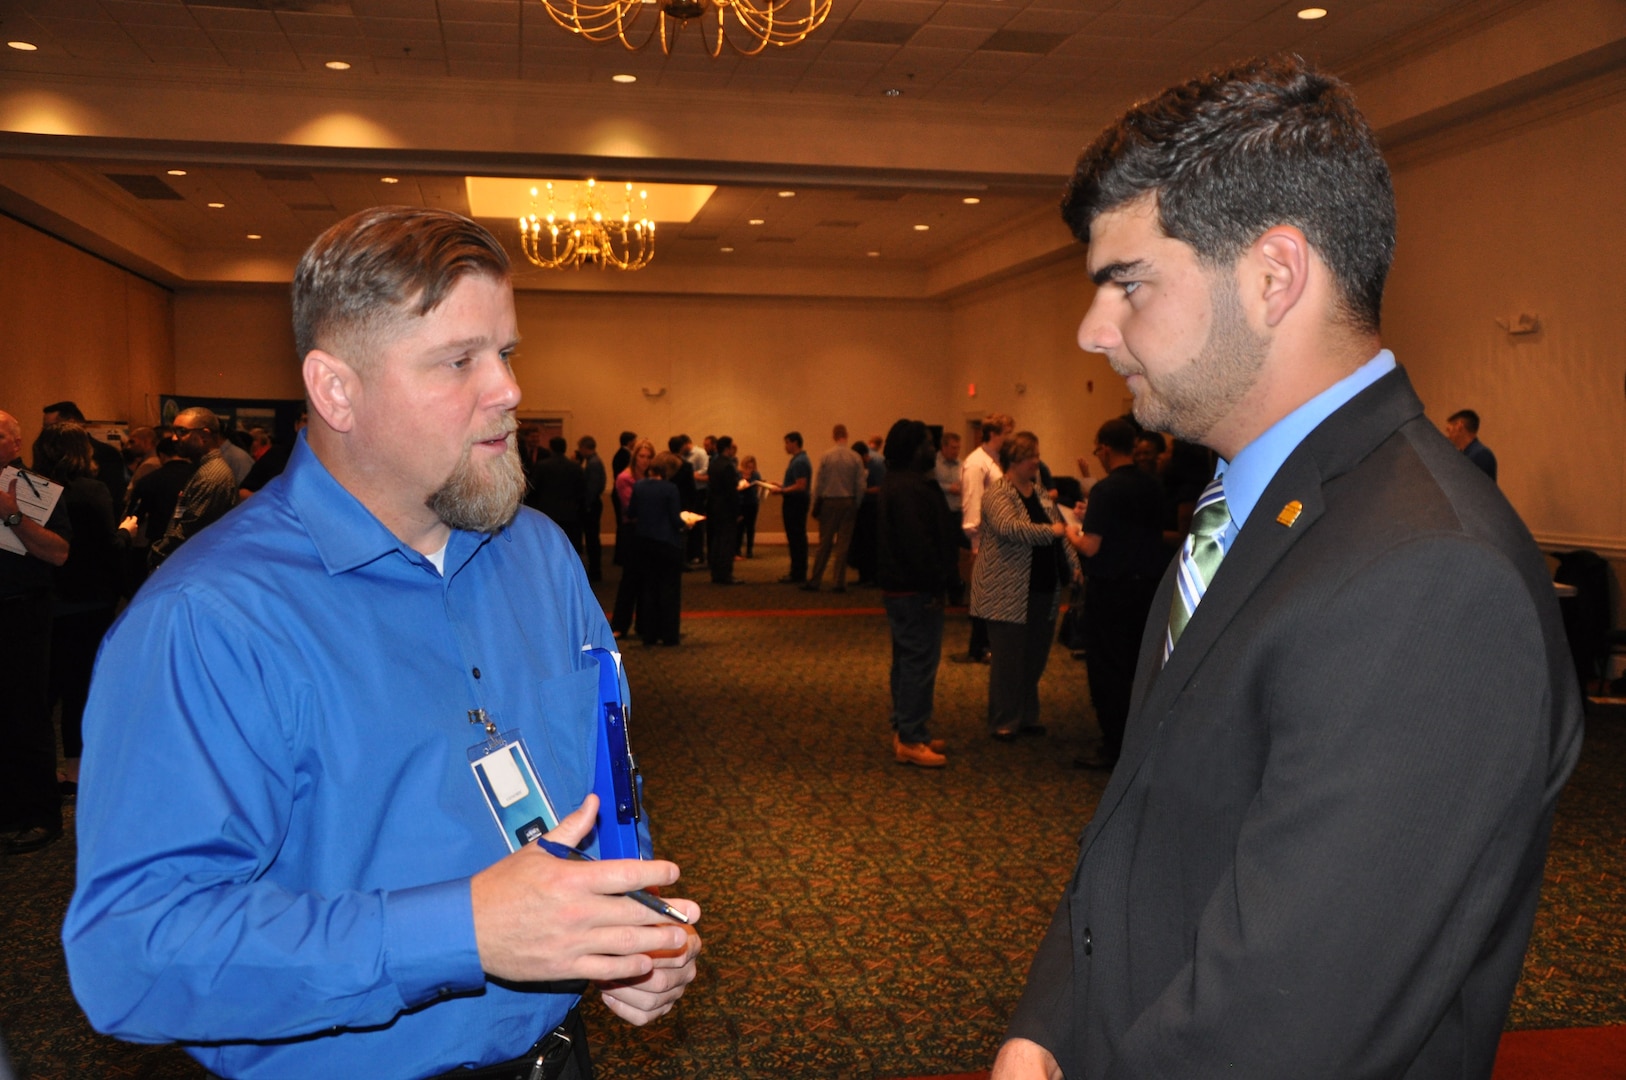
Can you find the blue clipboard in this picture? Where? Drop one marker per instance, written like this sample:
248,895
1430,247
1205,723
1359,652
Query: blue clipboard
616,780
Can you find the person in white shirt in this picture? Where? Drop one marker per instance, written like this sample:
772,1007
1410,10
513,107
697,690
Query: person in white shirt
980,472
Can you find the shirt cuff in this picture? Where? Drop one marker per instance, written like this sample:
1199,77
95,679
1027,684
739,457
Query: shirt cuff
430,950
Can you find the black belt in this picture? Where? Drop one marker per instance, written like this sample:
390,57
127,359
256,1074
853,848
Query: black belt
559,1055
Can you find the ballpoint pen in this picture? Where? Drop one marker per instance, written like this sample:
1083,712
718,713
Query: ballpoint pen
649,900
24,474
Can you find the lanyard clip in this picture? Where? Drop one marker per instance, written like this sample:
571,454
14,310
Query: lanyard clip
478,716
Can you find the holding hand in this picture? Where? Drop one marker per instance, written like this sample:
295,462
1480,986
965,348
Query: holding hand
542,919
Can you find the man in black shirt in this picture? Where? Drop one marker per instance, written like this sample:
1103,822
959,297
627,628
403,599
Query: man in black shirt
30,805
559,490
1124,559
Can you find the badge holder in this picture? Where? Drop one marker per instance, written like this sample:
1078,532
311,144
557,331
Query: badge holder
508,781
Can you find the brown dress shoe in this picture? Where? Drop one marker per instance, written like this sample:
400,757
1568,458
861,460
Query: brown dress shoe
917,754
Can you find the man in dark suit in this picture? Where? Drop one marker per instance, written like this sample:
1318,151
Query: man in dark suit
1320,853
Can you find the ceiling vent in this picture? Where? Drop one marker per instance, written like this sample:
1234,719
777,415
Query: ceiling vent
288,175
875,33
144,187
1034,42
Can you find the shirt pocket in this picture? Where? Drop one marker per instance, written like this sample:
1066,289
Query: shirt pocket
562,736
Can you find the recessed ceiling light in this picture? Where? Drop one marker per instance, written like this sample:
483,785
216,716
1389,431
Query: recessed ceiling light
787,194
255,236
971,200
23,46
336,65
725,251
217,206
874,254
756,221
893,91
624,78
389,180
921,228
177,172
1313,13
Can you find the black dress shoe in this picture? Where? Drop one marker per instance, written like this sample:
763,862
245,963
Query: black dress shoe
33,839
967,658
1003,735
1032,729
1096,761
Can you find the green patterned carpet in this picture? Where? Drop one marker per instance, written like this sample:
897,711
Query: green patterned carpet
862,919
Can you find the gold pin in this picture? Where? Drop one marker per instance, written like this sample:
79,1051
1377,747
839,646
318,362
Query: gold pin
1290,513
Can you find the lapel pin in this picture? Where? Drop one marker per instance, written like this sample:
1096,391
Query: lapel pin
1290,513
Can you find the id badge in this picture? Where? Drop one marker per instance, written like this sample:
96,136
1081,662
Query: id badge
502,767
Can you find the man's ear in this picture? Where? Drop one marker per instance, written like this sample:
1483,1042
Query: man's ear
1277,271
331,386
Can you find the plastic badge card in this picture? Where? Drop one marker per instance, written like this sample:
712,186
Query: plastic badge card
507,779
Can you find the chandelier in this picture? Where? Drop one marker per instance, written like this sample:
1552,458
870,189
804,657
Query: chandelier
767,22
585,237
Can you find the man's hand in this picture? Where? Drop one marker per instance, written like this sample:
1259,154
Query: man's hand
1020,1059
1084,468
542,919
8,499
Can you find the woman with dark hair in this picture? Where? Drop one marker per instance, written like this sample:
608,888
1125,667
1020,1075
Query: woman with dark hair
656,512
750,503
626,537
85,588
918,548
1016,585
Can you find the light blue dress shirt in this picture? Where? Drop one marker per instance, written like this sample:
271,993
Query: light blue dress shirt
279,822
1256,464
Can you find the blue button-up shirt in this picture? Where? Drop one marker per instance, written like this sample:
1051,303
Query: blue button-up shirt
1255,465
279,821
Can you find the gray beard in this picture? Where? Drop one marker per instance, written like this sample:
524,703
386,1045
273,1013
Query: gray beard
478,500
1188,403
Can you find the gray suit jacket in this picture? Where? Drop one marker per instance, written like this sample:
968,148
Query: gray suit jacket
1320,853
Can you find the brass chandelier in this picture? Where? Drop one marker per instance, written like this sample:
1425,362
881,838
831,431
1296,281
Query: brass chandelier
584,236
767,22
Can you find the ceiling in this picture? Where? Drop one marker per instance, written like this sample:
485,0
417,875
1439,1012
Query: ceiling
889,117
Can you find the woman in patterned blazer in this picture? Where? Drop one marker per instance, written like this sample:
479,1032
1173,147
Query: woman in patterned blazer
1016,585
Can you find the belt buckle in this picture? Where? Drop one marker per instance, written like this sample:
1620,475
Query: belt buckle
555,1049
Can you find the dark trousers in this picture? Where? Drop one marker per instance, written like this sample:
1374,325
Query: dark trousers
794,511
917,647
74,641
660,599
748,528
865,551
1115,614
591,544
1021,651
978,646
721,546
695,539
28,791
627,592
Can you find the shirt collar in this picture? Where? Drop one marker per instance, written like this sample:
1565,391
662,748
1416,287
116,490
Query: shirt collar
1250,472
345,533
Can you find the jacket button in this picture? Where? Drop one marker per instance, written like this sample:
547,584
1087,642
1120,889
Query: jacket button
1089,943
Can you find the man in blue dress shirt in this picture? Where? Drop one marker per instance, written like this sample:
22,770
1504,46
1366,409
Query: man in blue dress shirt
285,860
1462,428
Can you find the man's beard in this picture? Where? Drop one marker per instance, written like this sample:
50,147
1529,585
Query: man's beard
1188,403
482,499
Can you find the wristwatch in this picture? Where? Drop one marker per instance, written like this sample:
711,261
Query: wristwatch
13,519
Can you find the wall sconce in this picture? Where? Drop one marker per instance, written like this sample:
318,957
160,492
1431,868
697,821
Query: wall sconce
1521,323
1021,388
658,392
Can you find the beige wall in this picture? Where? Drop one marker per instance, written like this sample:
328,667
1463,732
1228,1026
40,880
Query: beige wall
1531,220
1025,331
73,326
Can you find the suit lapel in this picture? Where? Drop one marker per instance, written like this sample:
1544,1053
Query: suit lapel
1338,444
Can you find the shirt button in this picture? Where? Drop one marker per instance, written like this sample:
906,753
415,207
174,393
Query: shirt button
1089,943
476,673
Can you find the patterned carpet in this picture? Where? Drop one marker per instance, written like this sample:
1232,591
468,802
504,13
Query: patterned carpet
862,919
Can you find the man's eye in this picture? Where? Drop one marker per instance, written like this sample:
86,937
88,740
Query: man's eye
1129,287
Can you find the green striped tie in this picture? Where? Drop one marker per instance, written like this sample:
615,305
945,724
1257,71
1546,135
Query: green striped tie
1199,559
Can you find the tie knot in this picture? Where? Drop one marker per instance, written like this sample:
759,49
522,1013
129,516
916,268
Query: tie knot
1212,515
